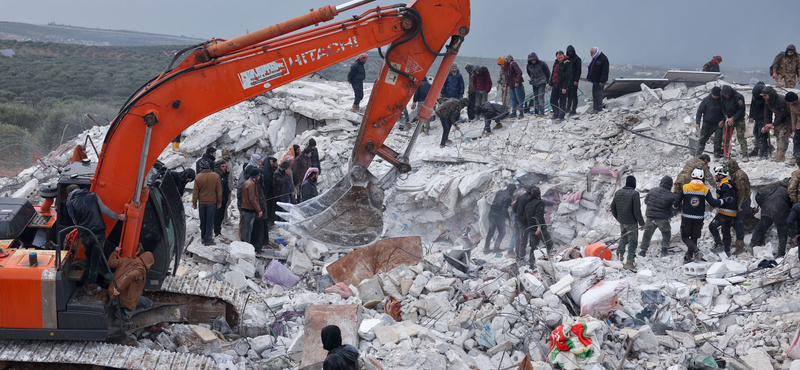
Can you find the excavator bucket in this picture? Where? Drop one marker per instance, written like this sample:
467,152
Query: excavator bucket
347,215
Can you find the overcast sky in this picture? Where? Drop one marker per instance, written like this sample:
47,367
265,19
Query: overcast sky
678,33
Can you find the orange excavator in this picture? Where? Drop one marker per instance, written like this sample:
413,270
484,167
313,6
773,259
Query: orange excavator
38,293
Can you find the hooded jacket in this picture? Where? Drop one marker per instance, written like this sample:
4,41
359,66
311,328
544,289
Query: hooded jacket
512,72
451,108
659,200
741,182
129,274
575,61
776,105
181,178
626,206
710,111
340,357
538,73
757,103
357,72
206,157
564,74
453,85
499,208
422,91
491,110
534,215
519,207
733,106
87,210
777,205
482,79
250,198
784,65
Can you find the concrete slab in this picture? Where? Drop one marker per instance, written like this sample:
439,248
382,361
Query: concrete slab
346,317
380,257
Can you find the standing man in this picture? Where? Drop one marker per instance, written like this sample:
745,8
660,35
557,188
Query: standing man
309,190
498,214
520,225
267,180
470,91
713,64
483,84
208,192
313,161
659,211
741,183
794,120
785,68
86,209
572,94
539,75
454,84
491,111
417,101
356,79
299,168
449,112
694,197
627,209
733,108
537,227
251,206
209,156
775,209
502,84
282,182
685,176
598,75
794,186
776,106
515,86
725,215
221,169
710,113
761,147
559,83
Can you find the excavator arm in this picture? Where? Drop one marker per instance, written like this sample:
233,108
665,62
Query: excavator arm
221,73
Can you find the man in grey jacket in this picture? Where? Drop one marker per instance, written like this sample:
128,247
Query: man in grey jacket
627,209
659,210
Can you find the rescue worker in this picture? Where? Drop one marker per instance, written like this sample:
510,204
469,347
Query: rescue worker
356,78
176,143
502,86
572,94
794,185
208,192
498,214
761,147
516,87
492,111
713,64
775,209
209,156
309,188
539,75
741,183
733,108
449,113
627,210
725,215
86,209
340,357
559,83
785,68
417,101
712,117
693,196
685,176
598,76
251,206
181,178
536,226
221,169
520,225
659,211
470,91
483,85
129,276
454,84
777,117
794,120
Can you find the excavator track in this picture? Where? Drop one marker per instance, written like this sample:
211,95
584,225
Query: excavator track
19,353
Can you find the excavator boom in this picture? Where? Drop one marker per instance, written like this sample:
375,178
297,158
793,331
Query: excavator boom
221,73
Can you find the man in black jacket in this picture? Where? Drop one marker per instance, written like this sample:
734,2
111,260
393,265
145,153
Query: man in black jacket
572,94
761,147
520,228
725,215
209,156
87,210
539,75
710,113
659,211
416,105
694,196
314,160
775,209
356,79
492,111
340,357
733,107
269,188
221,168
498,214
536,225
598,76
627,209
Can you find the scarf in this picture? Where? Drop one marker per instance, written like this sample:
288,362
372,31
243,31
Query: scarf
595,52
254,160
309,172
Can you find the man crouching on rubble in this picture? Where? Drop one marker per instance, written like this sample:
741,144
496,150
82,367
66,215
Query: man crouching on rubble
129,276
694,197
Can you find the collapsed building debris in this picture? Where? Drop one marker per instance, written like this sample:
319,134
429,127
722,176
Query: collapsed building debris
426,298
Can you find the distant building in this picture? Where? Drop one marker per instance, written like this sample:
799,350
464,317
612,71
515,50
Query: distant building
7,52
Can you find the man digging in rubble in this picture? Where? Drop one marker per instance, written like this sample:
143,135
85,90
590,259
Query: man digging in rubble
775,209
535,224
685,175
725,215
710,113
775,105
491,111
694,196
449,112
659,211
498,214
741,183
733,107
627,209
129,275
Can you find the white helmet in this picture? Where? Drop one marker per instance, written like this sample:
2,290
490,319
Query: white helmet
697,173
721,170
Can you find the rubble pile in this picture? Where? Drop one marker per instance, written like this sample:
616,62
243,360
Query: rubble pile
427,297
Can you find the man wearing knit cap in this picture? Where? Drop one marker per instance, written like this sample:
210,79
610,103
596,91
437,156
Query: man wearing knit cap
794,113
502,86
733,108
515,84
757,117
713,64
627,209
777,117
454,84
710,114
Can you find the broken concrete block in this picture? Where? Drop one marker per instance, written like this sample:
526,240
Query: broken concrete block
580,267
757,359
245,268
235,278
391,334
241,250
644,276
716,271
364,263
299,262
437,303
462,320
532,285
295,349
645,340
262,343
501,347
734,268
370,293
685,339
205,334
418,285
346,317
696,268
405,286
562,286
213,253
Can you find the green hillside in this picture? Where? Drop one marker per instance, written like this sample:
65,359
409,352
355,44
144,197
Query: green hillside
87,36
